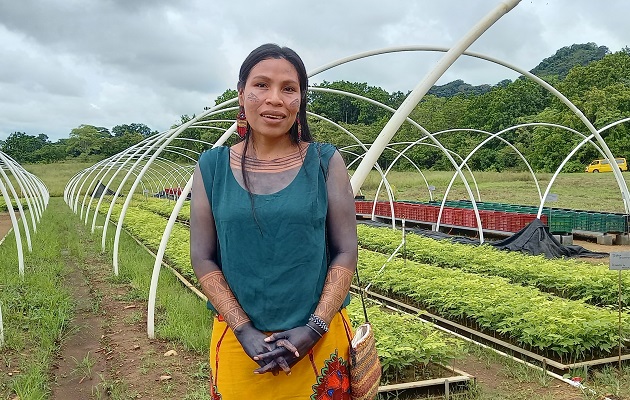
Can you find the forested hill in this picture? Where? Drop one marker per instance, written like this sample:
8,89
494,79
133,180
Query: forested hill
557,65
568,57
458,87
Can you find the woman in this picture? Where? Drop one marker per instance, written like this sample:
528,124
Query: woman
274,244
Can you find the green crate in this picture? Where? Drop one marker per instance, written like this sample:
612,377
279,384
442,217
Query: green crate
596,222
580,221
561,222
615,223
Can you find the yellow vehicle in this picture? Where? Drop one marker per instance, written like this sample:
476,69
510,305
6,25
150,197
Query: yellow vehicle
604,166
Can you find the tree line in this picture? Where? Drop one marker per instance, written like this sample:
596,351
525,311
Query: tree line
85,142
594,79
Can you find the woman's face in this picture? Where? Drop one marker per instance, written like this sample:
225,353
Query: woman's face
271,97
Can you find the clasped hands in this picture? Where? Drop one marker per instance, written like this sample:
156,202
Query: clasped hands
278,351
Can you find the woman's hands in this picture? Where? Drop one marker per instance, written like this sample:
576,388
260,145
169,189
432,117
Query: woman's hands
290,347
257,346
253,341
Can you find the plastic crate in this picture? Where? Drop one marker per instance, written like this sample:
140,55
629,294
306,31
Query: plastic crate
363,207
430,213
503,221
469,219
615,223
561,222
596,222
383,209
580,221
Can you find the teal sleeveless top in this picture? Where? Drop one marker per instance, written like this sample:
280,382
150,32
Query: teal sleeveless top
276,260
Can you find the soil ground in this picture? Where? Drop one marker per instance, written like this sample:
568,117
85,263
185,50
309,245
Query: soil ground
5,224
110,329
108,354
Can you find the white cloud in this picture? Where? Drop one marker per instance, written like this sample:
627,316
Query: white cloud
72,62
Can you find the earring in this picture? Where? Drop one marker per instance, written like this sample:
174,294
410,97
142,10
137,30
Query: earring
299,129
241,123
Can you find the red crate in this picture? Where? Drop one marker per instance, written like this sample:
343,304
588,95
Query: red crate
383,209
489,219
411,211
363,207
503,221
469,218
401,210
431,213
458,217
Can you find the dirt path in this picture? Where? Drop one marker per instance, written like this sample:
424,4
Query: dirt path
107,353
5,224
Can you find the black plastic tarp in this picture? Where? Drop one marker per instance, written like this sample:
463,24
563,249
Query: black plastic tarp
102,190
535,239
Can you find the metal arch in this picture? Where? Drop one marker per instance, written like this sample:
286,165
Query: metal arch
22,177
151,143
497,135
18,202
429,136
168,138
379,104
407,158
96,168
463,163
622,185
568,157
390,193
420,141
486,140
419,127
79,181
26,190
111,162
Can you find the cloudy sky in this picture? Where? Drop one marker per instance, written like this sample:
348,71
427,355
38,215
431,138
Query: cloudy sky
64,63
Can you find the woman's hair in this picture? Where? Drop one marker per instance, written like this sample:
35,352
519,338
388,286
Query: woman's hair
268,51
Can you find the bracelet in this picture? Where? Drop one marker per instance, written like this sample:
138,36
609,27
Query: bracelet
319,322
315,330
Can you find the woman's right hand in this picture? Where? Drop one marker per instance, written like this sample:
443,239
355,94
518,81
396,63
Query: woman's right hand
253,341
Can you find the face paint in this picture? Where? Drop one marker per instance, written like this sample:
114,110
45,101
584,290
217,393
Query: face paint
294,105
253,98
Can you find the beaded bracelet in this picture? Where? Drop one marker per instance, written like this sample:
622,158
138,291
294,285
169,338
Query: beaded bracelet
316,330
319,322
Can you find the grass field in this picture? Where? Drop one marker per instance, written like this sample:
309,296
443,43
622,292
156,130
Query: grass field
580,191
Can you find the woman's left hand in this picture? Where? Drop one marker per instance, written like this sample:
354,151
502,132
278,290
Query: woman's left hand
291,346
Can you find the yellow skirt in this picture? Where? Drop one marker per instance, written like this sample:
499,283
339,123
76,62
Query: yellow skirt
322,374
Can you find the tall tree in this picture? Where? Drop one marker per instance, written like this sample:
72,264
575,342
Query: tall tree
86,140
133,128
22,147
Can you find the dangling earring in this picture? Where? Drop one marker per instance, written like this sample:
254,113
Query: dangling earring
299,129
241,123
